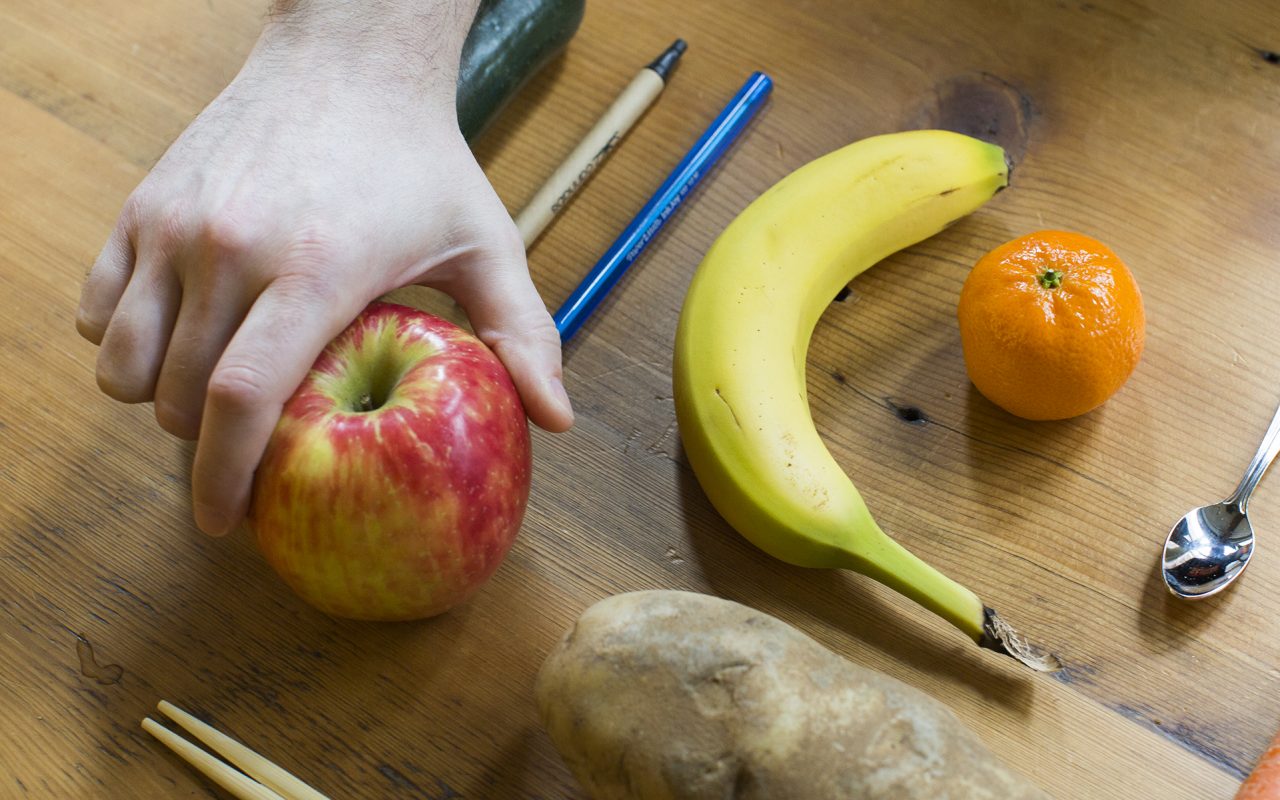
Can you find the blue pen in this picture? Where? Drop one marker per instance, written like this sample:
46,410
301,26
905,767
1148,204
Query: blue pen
627,247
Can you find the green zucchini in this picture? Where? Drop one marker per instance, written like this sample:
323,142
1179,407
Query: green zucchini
509,41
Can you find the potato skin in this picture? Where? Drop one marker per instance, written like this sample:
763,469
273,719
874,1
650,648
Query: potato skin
671,695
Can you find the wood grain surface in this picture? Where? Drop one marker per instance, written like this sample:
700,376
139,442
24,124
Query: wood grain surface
1149,125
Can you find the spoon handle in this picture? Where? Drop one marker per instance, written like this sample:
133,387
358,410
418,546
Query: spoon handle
1261,460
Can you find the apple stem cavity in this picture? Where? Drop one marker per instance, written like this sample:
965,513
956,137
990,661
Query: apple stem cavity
371,369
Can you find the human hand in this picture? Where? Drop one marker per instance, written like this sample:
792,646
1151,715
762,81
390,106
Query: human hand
309,187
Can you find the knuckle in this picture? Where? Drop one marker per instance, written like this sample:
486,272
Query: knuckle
507,237
531,326
227,234
177,421
135,208
237,386
164,222
311,249
111,266
170,226
313,288
89,328
122,381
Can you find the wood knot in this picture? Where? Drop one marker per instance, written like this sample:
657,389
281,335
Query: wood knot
980,105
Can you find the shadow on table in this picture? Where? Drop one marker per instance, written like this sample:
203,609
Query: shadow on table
515,774
512,118
1169,621
354,708
738,571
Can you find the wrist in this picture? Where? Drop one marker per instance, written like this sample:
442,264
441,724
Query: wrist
408,48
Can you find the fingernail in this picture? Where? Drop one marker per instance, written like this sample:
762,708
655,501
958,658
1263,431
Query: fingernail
211,520
561,396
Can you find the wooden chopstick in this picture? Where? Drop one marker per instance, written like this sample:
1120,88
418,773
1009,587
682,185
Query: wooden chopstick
253,764
239,784
271,779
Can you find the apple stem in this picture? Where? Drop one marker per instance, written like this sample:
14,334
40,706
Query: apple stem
365,403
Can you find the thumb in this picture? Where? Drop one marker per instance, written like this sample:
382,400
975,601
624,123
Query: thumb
509,316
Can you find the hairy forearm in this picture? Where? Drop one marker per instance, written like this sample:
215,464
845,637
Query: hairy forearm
417,43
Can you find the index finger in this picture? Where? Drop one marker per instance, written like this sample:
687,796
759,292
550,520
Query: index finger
284,332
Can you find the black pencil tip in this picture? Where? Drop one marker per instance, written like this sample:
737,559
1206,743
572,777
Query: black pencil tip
664,63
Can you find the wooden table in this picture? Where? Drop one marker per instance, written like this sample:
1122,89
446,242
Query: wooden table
1152,128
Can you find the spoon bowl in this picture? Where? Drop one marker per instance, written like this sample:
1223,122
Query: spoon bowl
1207,550
1210,547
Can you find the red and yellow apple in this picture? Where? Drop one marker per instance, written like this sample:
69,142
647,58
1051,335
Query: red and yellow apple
398,475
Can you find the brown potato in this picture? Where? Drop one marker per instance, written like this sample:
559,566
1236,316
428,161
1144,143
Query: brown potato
677,695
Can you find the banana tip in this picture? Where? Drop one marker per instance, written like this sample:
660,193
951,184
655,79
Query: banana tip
999,636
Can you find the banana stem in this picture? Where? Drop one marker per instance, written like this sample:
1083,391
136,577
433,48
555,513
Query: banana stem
1000,636
898,568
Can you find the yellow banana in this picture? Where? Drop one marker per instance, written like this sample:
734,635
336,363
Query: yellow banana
739,371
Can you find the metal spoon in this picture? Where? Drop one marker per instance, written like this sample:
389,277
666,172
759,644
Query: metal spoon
1211,545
